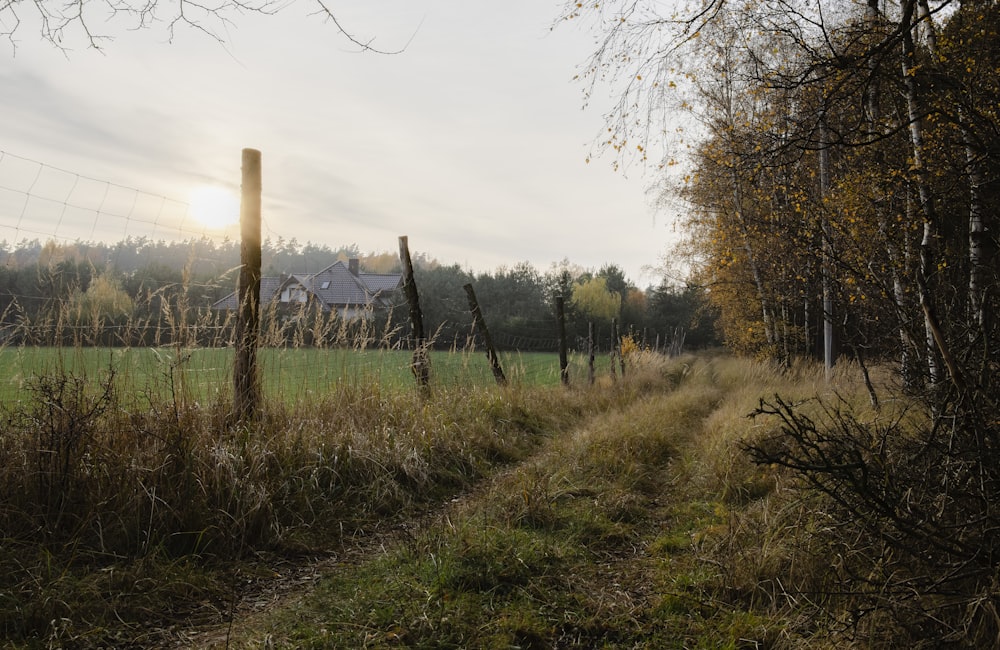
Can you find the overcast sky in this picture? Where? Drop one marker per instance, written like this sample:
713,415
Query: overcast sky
472,141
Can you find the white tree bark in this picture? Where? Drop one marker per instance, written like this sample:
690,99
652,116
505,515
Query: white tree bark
829,350
915,114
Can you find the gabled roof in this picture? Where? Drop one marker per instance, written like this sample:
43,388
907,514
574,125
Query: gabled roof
334,286
269,288
382,281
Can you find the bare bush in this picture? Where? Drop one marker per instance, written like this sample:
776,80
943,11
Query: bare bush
913,521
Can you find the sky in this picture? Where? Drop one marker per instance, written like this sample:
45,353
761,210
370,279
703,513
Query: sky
472,141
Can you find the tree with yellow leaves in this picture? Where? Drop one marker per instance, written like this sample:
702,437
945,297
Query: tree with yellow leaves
592,299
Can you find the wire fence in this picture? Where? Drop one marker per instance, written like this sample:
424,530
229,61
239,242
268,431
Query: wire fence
99,277
38,200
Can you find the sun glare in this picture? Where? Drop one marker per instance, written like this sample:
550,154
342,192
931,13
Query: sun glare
214,206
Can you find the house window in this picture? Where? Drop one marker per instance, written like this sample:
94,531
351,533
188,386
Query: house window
294,294
325,285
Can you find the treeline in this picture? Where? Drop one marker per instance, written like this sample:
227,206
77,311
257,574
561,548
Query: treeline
518,302
134,292
142,291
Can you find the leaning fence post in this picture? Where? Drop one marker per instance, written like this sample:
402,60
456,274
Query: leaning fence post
421,366
246,383
615,349
621,357
590,352
618,347
563,357
480,324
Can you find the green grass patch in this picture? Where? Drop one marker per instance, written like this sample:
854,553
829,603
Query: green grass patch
287,374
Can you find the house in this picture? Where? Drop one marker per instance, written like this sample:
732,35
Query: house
341,287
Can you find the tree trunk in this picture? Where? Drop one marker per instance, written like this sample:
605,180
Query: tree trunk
979,258
758,279
915,114
829,350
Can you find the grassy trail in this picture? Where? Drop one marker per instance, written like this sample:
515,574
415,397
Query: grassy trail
624,514
595,540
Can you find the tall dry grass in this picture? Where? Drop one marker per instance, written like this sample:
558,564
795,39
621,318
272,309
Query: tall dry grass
615,533
781,547
128,502
121,490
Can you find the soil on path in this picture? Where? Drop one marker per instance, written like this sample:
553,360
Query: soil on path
286,581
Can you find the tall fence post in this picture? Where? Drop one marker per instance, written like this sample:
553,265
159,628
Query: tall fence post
246,382
563,356
480,324
421,365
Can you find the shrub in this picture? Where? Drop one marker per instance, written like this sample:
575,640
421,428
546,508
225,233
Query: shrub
911,500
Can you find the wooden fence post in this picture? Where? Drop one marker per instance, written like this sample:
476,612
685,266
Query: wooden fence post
421,366
246,382
615,349
590,352
563,356
618,347
480,324
677,342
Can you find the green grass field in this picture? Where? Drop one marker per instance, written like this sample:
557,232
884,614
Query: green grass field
289,374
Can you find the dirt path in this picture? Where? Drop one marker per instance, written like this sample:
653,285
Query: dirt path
610,593
288,581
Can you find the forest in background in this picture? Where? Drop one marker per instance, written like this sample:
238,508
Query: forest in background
143,280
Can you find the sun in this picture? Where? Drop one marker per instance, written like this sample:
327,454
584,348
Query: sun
214,206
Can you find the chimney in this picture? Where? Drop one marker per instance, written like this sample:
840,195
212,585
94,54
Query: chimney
352,266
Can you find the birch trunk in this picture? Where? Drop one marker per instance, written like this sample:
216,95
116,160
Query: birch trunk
915,114
977,179
829,350
979,261
758,277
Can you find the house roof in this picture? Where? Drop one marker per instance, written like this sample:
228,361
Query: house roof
334,286
382,281
268,288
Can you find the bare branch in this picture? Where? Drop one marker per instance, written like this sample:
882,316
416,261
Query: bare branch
366,46
61,20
